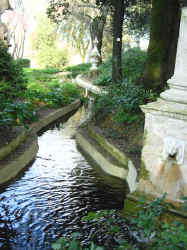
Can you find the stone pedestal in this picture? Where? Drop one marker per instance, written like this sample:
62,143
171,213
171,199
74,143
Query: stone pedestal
164,155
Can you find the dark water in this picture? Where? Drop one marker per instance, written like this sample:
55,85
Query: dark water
53,194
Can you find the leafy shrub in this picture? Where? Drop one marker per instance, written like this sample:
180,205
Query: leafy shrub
146,230
49,70
35,86
78,69
10,72
20,113
73,244
34,75
23,62
54,96
133,61
105,73
52,57
62,96
157,234
123,100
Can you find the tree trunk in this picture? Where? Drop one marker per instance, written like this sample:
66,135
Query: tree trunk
163,44
118,17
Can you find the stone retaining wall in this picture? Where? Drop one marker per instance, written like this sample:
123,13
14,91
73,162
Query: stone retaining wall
110,159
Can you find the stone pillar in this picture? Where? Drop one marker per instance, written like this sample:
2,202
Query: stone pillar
164,154
178,83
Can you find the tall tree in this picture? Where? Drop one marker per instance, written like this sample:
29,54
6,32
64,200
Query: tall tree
123,9
45,45
118,17
163,43
87,12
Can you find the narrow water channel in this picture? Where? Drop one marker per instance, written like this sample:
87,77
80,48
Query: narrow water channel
53,194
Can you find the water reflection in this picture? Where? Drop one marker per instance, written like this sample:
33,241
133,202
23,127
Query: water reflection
54,193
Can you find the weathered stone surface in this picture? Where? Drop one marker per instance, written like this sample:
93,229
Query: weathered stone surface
132,206
88,85
43,122
14,143
178,83
98,148
17,160
115,152
164,155
166,174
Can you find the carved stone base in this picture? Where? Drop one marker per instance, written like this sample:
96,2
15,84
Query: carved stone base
164,155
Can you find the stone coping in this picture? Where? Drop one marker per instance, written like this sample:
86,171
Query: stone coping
110,159
89,85
17,154
52,116
115,152
7,148
166,108
18,159
100,159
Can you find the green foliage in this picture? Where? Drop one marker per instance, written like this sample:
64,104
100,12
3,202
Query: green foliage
23,62
72,244
184,199
105,73
78,69
42,90
20,113
160,235
51,57
123,100
11,75
53,96
133,61
147,227
171,237
147,217
45,45
49,70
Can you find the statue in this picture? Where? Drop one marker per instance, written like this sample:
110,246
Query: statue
4,5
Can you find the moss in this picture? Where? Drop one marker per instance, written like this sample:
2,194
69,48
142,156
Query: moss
144,173
109,148
130,208
174,212
145,136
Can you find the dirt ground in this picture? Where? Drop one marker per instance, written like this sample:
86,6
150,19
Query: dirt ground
127,137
